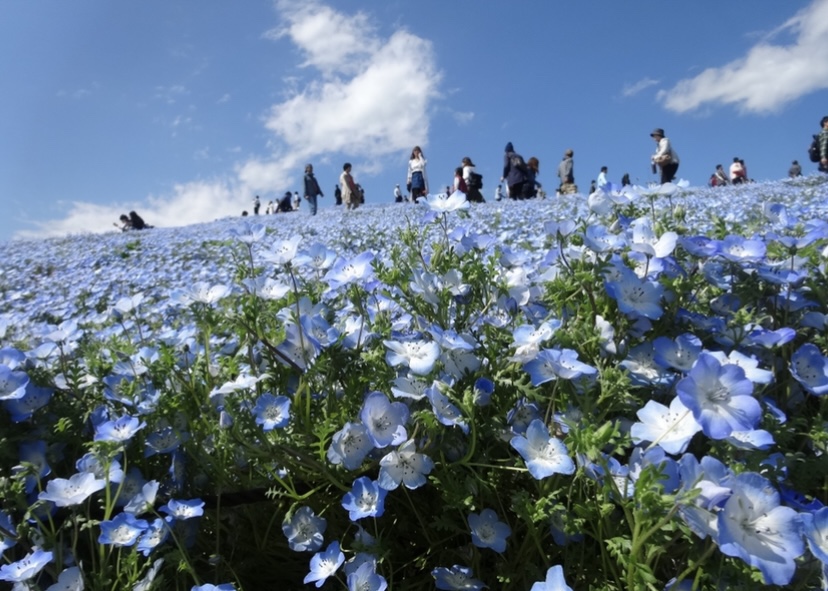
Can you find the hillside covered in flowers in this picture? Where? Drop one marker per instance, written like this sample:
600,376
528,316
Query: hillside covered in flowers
619,391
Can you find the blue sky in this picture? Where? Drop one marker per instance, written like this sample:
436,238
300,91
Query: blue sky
184,110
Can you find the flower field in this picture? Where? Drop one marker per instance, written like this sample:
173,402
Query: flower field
616,392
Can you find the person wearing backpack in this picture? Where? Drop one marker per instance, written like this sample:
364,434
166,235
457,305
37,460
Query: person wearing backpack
473,180
822,139
514,172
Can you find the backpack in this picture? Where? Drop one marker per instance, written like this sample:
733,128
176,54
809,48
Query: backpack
517,162
475,181
813,150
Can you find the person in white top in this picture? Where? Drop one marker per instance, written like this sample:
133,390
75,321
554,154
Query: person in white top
665,156
398,197
737,172
602,181
473,181
417,180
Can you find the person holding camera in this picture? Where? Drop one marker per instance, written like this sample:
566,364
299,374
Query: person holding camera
665,157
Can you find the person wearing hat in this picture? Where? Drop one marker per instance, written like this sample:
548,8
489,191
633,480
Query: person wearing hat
312,190
665,156
566,172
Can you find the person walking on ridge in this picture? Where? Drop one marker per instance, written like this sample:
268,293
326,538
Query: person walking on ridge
514,172
312,189
417,174
665,156
566,172
823,145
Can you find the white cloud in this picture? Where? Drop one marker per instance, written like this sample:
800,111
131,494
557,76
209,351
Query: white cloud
636,87
770,75
463,117
371,99
194,202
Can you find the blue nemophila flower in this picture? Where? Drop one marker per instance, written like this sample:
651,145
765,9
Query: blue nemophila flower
74,491
483,390
12,383
443,203
753,526
210,587
600,240
409,387
446,412
644,239
183,509
488,531
456,578
266,288
404,466
809,367
122,530
144,500
304,530
27,567
164,440
71,579
6,525
720,397
33,456
249,233
282,252
156,534
670,428
544,455
551,364
272,412
636,297
365,578
344,271
201,292
523,413
22,408
527,339
815,530
318,257
365,499
350,445
384,420
418,355
119,430
742,250
554,581
324,564
679,354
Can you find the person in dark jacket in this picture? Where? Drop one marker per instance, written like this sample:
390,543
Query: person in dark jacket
514,172
531,184
285,204
312,189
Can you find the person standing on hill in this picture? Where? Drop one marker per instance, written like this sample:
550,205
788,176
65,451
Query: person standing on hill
474,181
514,172
566,173
665,156
737,172
795,170
312,190
350,192
721,176
823,145
417,174
256,205
602,181
531,184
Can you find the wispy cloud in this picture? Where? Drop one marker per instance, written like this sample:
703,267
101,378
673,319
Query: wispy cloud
634,88
769,76
370,97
